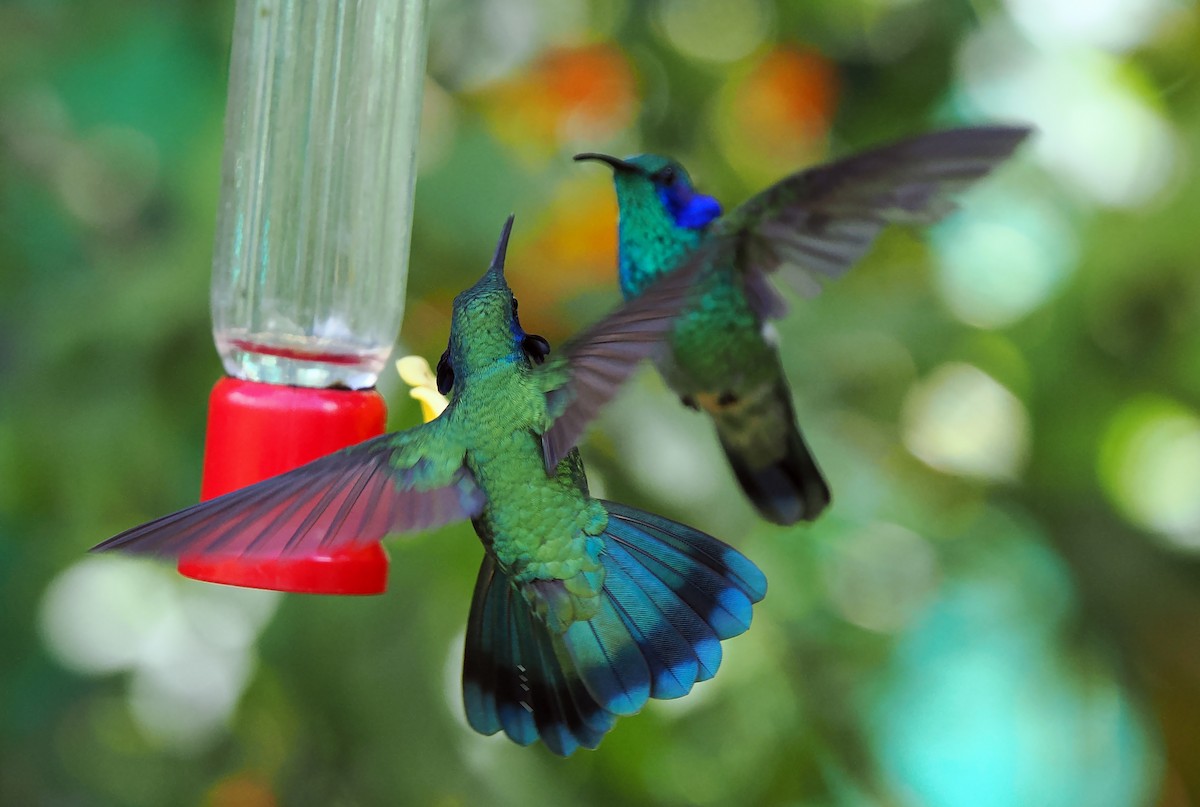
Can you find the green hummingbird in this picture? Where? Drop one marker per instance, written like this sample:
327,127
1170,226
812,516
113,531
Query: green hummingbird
809,226
583,608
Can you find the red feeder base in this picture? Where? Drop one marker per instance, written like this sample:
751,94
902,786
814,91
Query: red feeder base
256,431
358,572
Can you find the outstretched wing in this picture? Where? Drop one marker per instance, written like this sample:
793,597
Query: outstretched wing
410,480
816,224
594,365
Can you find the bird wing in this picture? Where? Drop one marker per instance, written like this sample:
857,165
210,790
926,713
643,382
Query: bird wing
816,224
410,480
593,365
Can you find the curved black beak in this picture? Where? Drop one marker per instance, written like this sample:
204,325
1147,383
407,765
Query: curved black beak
615,163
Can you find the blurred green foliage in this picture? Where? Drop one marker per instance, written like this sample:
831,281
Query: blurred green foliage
1003,605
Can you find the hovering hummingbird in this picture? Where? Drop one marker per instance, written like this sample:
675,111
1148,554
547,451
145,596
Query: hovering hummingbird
812,225
583,608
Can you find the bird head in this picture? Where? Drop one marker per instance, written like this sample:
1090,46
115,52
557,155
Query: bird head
659,183
485,328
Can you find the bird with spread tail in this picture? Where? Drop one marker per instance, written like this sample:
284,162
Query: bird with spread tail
810,226
583,609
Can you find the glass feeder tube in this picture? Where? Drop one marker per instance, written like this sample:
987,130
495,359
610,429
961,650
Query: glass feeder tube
310,260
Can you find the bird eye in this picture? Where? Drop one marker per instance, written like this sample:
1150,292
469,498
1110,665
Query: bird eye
665,175
445,374
536,348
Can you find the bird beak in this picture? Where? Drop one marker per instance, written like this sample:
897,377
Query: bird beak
501,248
614,163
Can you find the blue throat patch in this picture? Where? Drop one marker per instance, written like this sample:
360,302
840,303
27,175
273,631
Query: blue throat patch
690,210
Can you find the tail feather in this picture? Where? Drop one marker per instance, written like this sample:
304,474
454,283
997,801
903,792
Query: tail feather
482,660
548,704
609,661
500,647
670,595
701,639
726,609
514,678
671,662
699,547
594,721
515,715
769,457
573,715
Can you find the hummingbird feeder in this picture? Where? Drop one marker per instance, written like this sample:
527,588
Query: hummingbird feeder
310,259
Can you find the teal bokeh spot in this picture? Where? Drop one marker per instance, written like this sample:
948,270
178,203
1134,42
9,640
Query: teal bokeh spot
984,707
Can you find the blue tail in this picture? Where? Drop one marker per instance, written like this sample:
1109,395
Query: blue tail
671,594
516,676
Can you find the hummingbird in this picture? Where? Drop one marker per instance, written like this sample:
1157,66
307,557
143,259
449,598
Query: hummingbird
583,609
810,226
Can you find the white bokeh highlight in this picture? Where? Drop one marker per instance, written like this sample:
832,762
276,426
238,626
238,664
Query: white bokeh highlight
1151,469
881,576
1096,130
1003,257
1114,25
188,646
962,421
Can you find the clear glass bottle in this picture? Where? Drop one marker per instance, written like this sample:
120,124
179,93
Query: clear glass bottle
310,264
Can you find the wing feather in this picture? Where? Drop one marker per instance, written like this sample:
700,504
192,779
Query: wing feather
395,483
594,365
815,224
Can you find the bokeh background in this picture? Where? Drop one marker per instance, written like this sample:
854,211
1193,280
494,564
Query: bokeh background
1001,608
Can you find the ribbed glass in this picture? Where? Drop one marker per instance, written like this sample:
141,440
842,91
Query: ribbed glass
310,262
